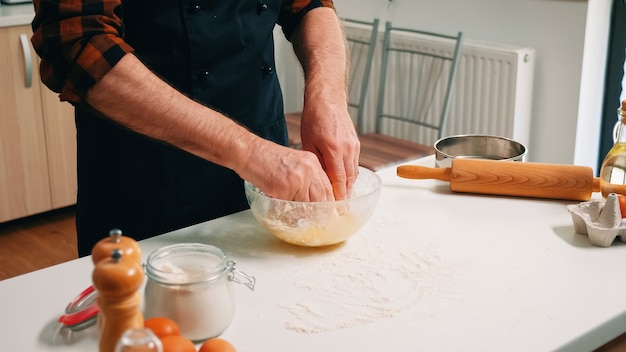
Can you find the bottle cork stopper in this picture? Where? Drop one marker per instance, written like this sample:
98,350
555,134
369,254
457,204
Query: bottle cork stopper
621,113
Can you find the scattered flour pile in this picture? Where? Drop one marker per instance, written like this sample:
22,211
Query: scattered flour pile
360,288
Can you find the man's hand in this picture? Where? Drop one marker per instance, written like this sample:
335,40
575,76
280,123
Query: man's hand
286,173
328,132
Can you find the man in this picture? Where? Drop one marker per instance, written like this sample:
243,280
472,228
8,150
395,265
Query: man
177,101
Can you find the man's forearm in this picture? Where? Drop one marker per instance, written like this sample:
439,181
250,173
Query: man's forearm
133,96
320,46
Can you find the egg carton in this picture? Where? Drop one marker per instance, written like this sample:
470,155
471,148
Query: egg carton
600,220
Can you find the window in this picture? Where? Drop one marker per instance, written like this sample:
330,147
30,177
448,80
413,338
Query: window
615,83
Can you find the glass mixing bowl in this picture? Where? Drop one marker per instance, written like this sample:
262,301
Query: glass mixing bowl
314,224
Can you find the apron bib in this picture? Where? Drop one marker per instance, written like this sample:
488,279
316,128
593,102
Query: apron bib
219,53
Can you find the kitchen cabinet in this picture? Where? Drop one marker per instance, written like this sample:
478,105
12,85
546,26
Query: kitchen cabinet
37,134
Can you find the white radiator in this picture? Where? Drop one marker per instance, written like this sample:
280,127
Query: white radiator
492,94
493,91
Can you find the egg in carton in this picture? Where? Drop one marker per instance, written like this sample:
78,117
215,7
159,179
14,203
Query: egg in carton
600,220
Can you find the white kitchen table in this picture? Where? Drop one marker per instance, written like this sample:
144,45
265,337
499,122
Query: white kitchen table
431,271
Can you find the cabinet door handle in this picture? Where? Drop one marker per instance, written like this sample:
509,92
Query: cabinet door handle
28,61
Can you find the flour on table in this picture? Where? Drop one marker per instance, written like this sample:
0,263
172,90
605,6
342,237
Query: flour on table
361,288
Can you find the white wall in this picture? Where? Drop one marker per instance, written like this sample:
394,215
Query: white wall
592,83
554,28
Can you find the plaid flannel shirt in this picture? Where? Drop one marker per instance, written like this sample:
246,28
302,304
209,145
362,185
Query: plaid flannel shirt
79,41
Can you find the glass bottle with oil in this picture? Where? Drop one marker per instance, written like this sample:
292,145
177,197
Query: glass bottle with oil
613,169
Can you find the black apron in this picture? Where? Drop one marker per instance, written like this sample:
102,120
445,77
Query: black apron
220,53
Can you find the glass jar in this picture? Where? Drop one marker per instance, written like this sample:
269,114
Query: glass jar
613,169
190,283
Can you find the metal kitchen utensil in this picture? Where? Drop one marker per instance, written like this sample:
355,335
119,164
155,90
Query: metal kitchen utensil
538,180
477,146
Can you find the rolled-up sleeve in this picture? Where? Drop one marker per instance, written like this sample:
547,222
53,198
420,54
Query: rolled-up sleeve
78,41
292,12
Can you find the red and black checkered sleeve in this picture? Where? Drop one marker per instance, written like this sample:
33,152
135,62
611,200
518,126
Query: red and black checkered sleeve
78,41
292,12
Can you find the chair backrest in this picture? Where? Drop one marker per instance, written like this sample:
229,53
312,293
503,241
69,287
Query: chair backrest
361,43
418,71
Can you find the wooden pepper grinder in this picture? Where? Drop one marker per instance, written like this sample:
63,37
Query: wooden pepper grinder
102,249
117,280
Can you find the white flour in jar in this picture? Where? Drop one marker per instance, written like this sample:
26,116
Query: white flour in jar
201,309
360,288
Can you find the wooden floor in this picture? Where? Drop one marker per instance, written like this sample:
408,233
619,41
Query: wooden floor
48,239
37,242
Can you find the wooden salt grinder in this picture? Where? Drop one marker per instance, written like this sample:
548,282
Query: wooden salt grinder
117,281
102,250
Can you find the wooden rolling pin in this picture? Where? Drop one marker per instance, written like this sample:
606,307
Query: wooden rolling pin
511,178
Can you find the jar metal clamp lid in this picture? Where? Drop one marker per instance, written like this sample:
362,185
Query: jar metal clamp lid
199,262
82,311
